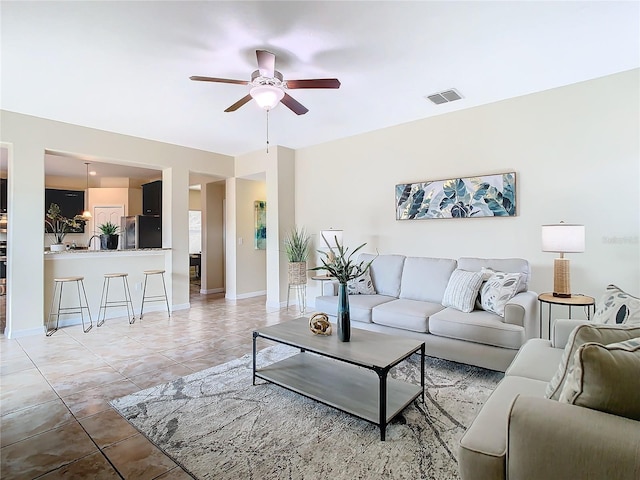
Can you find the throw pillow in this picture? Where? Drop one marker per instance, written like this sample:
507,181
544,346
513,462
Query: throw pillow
498,290
486,275
618,307
602,334
606,378
361,285
462,290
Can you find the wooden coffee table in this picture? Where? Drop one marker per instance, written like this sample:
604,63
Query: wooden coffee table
350,376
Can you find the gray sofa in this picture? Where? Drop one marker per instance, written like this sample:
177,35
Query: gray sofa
520,435
408,301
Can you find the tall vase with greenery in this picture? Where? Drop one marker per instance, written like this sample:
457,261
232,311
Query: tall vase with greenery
340,265
296,245
57,226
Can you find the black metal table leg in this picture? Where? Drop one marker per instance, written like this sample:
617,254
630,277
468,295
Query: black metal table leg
255,335
422,354
382,404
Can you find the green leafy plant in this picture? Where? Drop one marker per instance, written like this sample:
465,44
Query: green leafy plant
296,244
108,228
58,226
340,264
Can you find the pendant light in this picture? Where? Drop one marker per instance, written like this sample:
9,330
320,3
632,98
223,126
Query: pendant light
86,215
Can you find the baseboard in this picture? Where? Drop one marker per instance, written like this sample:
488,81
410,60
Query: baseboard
28,332
180,306
242,296
212,290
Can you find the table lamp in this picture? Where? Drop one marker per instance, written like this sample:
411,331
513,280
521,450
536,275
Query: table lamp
562,238
332,238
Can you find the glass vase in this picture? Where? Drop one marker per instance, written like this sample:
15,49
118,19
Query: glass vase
344,320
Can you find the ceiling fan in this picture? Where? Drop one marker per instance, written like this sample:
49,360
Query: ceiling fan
268,86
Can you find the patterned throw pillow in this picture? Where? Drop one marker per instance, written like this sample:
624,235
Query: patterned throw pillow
618,307
498,290
605,378
462,290
602,334
361,285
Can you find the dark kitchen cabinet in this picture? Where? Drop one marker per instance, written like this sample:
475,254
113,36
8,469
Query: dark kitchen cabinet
152,198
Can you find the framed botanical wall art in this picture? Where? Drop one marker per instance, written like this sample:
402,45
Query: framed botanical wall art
483,196
260,215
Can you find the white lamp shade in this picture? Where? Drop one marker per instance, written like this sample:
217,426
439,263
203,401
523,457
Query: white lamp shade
267,96
330,237
563,238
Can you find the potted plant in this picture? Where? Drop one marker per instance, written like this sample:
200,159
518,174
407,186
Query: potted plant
296,244
340,266
109,236
57,226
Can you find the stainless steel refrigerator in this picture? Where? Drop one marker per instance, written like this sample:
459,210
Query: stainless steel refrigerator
142,231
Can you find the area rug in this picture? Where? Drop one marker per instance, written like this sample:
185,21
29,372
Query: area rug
217,425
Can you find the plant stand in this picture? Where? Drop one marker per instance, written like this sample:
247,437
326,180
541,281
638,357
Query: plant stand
297,276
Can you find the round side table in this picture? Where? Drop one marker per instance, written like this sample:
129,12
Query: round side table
572,301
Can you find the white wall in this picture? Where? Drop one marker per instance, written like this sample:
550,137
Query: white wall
576,154
251,270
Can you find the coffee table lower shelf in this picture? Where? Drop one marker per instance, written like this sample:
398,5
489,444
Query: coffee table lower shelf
346,387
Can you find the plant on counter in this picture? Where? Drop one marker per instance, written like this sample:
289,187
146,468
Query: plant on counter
108,228
109,238
58,226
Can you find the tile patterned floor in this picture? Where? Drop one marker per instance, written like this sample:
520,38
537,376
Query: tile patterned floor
56,421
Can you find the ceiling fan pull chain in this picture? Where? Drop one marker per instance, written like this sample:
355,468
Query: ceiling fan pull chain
267,131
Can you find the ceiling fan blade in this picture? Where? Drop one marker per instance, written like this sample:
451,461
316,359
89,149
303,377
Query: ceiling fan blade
315,83
239,103
219,80
266,63
295,106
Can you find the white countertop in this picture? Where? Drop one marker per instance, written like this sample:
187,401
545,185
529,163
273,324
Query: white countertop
49,255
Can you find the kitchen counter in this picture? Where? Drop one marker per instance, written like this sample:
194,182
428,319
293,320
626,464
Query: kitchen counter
121,253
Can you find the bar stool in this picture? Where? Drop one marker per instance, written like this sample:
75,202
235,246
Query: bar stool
68,310
106,303
154,298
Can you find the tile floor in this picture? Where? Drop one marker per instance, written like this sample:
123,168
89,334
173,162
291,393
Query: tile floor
56,421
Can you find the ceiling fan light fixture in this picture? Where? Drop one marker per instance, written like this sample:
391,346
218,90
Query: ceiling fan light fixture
267,96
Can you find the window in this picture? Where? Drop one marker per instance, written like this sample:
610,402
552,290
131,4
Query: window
195,231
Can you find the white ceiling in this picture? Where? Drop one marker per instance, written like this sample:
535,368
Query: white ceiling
125,66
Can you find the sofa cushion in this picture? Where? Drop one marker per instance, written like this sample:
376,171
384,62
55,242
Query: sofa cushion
483,447
597,333
406,314
606,378
361,285
617,307
359,305
462,290
536,359
509,265
426,279
386,272
499,288
478,326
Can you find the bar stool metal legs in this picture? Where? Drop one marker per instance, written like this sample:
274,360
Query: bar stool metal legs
80,308
154,298
106,303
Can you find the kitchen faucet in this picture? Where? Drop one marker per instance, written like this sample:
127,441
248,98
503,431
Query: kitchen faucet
92,237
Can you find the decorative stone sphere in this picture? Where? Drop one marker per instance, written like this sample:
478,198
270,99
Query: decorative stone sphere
319,324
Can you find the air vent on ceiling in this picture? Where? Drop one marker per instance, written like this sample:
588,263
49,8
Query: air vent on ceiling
446,96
